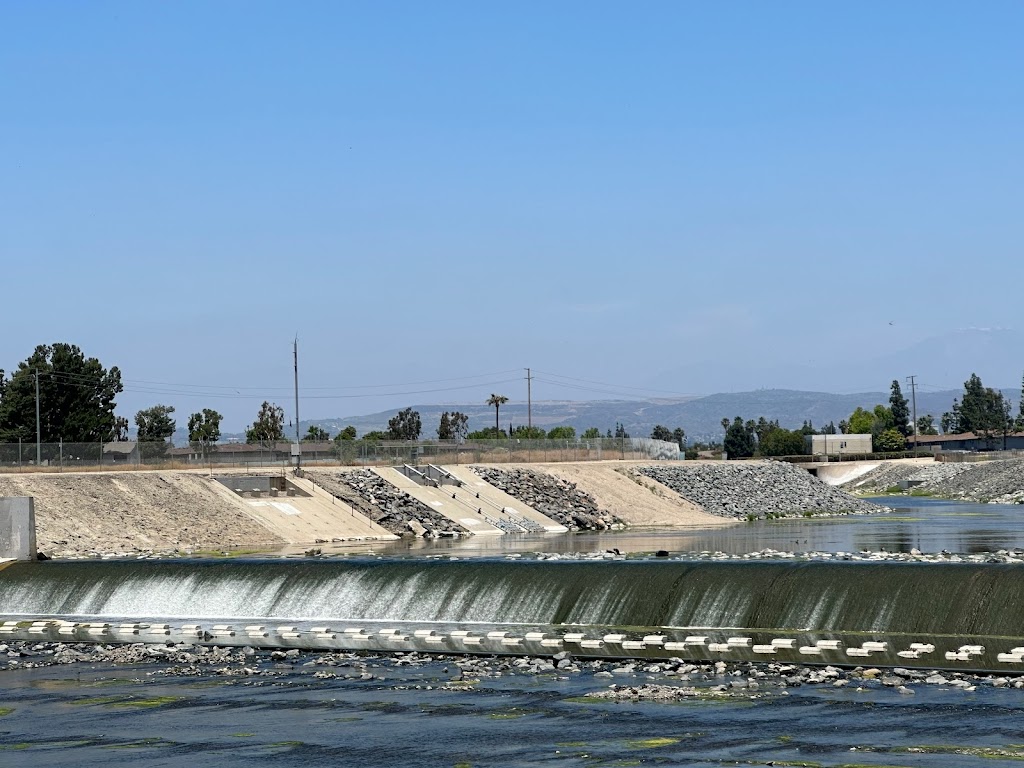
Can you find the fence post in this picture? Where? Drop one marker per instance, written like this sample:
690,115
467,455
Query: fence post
61,439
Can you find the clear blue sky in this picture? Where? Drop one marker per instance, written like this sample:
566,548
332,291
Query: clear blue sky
627,193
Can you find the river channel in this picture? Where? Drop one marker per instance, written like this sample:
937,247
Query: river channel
378,711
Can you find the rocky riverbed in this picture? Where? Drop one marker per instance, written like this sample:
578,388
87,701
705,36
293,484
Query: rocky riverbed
998,482
756,490
555,497
667,680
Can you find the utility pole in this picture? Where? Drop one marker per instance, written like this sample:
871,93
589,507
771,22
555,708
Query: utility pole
529,400
298,449
39,430
913,400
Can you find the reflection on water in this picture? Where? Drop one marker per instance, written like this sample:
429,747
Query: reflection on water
918,523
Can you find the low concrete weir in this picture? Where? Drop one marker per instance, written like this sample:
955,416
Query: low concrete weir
949,616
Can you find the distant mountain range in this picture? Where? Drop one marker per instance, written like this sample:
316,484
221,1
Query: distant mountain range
700,416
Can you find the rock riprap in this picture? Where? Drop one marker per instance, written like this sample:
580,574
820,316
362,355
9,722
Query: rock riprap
753,490
559,499
386,505
999,481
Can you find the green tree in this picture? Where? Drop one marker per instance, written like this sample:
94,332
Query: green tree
679,437
529,433
620,431
316,434
204,430
899,409
497,401
405,425
1018,423
592,434
120,427
348,433
155,428
661,433
490,433
860,422
983,411
562,433
376,436
890,441
739,439
782,442
926,425
269,425
76,397
950,421
460,425
444,428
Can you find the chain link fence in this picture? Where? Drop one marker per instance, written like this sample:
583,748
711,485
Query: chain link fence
60,457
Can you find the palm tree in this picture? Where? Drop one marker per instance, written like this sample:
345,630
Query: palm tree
497,401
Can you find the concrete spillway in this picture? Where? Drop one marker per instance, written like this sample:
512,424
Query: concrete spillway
932,615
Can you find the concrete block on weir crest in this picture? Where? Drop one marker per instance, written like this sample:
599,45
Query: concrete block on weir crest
614,638
552,642
922,647
511,641
591,643
675,646
654,639
1010,658
459,633
696,640
829,645
738,642
858,652
908,654
434,639
573,637
421,632
974,650
497,635
810,650
719,647
633,645
533,637
765,649
872,645
784,642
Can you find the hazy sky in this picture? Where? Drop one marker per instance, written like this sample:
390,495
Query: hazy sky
434,196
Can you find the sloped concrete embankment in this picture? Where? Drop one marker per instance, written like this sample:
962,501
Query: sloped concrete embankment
135,512
753,490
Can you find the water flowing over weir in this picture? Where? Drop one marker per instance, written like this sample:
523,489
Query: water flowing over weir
932,615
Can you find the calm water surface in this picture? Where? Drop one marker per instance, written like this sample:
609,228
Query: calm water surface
916,523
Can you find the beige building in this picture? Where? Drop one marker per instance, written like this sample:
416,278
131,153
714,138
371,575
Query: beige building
837,445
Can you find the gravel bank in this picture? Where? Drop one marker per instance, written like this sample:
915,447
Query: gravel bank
998,482
753,490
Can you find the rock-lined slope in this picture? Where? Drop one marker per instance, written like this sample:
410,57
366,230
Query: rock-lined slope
1000,481
751,490
380,501
559,499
